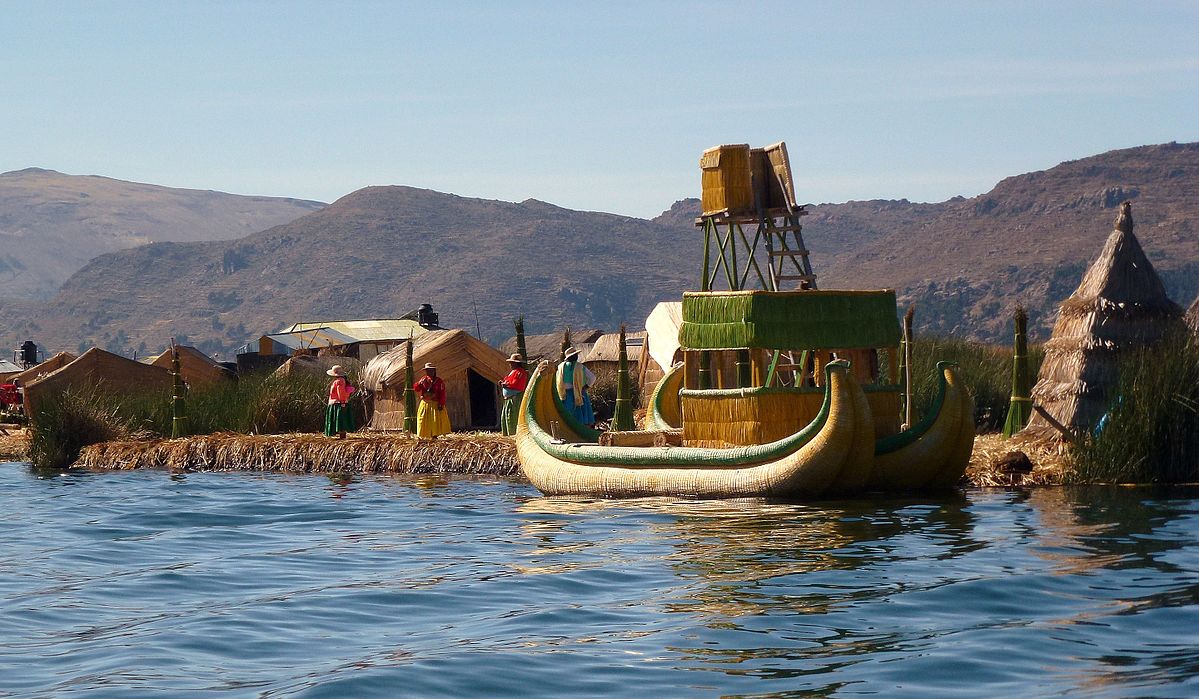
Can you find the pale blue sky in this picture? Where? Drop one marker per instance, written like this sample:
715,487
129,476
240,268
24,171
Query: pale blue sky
600,106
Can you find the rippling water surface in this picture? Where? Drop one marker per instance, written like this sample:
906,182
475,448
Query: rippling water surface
272,585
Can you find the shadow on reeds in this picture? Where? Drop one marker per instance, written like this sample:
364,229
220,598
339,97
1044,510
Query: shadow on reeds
1151,434
256,404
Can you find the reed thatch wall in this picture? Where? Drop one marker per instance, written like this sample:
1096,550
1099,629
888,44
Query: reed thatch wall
1121,305
98,370
318,366
456,354
197,368
52,364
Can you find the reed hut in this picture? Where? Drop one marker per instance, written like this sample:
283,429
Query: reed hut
317,366
37,371
470,368
100,371
197,368
660,350
1121,305
604,355
549,346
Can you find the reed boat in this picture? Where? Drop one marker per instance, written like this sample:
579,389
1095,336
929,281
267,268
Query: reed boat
780,394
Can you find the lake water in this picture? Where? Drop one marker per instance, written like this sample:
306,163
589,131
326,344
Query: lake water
270,585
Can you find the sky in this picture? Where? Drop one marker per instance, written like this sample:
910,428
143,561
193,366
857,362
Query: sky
602,106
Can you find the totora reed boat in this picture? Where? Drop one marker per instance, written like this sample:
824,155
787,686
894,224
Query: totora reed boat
805,424
795,393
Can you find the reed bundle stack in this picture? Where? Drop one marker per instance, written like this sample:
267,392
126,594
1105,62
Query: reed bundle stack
317,366
1120,306
483,454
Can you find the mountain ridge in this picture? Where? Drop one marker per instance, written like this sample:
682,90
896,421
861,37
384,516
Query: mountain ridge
383,250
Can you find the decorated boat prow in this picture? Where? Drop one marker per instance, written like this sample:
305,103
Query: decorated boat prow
807,463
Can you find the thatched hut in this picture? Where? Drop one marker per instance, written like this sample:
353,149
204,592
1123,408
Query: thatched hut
605,353
37,371
197,368
1120,305
317,366
101,371
470,368
549,345
661,348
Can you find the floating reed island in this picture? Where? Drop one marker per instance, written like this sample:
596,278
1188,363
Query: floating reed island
460,453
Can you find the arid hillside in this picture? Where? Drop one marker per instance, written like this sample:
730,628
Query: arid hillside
52,224
381,251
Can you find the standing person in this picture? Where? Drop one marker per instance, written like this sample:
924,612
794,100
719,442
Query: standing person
339,419
573,381
513,387
432,420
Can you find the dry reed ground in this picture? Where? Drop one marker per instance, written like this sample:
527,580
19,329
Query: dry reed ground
480,453
1050,461
14,443
466,453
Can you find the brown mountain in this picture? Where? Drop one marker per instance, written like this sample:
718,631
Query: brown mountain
378,252
52,224
966,262
381,251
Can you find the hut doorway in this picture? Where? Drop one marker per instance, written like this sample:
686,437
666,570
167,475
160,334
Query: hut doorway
484,401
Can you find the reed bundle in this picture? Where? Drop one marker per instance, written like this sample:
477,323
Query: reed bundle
465,453
754,416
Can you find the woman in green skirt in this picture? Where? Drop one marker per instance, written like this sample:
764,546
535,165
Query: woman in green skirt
338,417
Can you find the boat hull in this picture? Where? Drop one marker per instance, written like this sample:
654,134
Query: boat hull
834,453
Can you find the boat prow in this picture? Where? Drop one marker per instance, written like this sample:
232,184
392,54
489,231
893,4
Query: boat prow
933,453
837,443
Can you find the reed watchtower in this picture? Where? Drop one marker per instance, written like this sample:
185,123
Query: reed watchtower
752,188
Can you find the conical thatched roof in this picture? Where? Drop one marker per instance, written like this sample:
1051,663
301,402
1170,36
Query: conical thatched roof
1119,306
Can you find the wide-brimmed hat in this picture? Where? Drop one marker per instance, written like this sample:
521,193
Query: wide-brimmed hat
336,370
517,358
430,365
571,352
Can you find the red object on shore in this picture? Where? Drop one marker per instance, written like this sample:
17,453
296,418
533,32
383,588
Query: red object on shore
9,395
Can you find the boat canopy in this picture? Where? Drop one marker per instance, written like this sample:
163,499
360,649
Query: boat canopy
789,320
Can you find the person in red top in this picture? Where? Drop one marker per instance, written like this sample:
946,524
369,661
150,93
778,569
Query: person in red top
432,420
339,419
513,387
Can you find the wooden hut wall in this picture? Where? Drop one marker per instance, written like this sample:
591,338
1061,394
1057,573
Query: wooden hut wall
98,370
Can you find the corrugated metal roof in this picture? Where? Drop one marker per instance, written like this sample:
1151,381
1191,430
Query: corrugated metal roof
7,367
310,338
367,330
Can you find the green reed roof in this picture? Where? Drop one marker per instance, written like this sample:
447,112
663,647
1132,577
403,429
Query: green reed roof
789,320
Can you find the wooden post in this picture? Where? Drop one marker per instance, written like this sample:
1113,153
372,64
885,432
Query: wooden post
622,416
1020,408
409,392
178,409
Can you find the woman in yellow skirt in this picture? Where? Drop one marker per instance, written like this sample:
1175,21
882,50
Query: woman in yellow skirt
432,420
